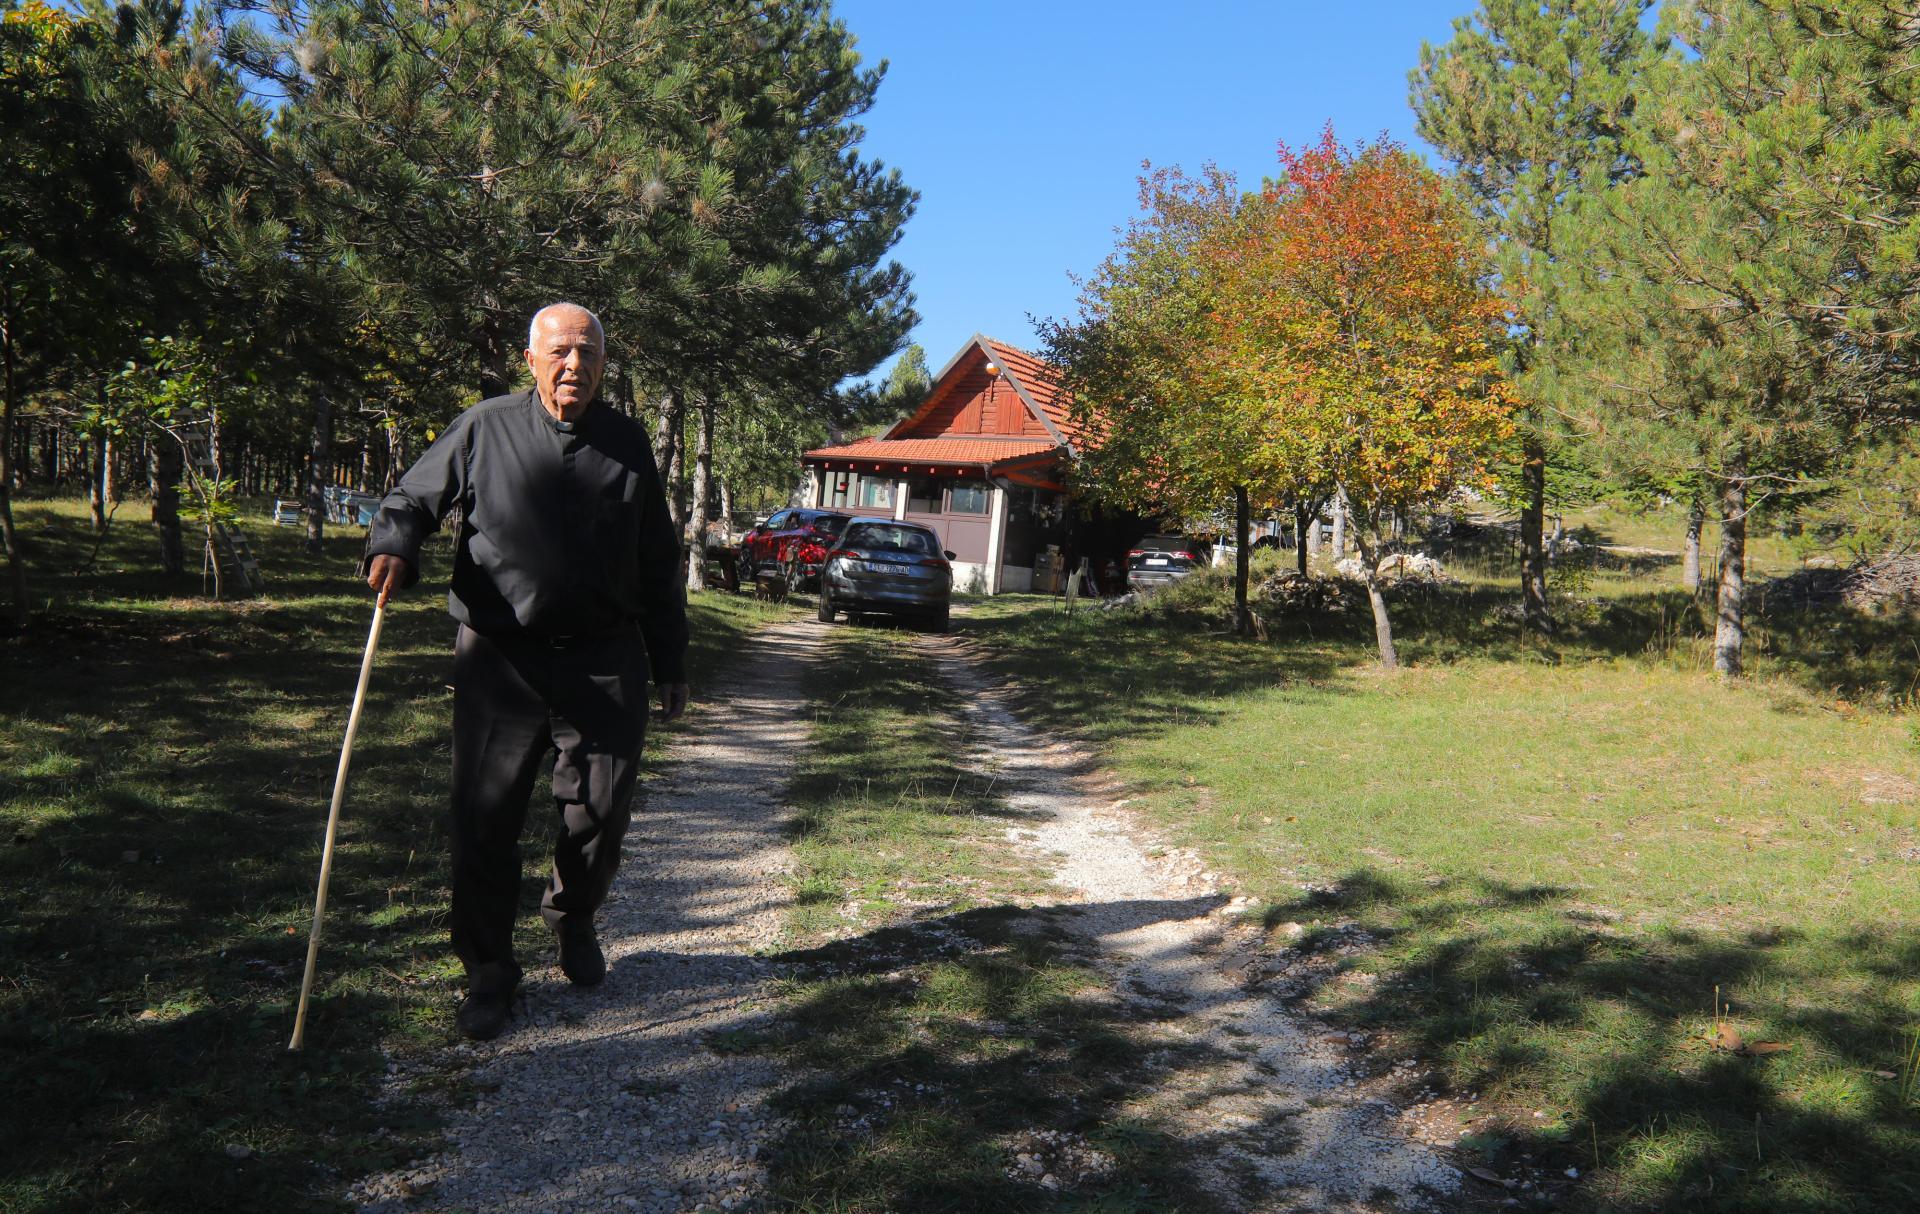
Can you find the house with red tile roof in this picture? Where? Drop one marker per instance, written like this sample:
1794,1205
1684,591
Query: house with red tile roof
982,461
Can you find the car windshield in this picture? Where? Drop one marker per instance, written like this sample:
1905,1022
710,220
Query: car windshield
896,539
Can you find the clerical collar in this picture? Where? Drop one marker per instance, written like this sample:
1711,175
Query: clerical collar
558,425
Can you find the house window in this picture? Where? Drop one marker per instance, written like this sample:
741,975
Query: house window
923,495
876,493
839,488
967,497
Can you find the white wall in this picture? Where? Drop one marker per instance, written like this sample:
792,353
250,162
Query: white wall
969,577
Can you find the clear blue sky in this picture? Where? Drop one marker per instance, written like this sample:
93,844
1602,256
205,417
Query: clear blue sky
1023,125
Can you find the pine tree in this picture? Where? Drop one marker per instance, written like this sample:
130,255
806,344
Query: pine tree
1531,102
1738,303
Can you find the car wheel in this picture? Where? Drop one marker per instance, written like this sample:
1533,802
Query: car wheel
826,612
745,571
796,578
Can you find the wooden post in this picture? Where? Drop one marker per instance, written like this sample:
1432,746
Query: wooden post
996,536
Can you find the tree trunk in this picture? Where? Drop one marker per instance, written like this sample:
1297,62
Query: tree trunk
1535,618
1690,562
1369,572
1242,539
1300,537
9,538
623,393
1313,530
726,503
319,456
663,433
666,451
1340,526
1730,628
396,456
97,485
165,463
702,469
218,566
491,339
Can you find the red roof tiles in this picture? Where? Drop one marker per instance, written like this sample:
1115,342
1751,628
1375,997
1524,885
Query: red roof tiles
954,452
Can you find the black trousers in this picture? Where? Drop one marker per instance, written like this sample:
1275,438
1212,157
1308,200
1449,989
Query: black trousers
514,701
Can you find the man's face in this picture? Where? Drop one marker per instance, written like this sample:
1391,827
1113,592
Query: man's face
566,358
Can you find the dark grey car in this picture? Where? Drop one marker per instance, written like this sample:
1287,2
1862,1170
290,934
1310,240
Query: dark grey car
880,565
1159,560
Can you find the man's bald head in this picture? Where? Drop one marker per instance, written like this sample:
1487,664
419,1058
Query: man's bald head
563,312
566,351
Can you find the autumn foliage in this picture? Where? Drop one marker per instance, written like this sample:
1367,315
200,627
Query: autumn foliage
1358,334
1360,327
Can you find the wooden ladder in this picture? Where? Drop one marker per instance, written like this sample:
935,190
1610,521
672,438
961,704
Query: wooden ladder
239,554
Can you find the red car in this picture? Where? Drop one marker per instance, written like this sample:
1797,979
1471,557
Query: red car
794,542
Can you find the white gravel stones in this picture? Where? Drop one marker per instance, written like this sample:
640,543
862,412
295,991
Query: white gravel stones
1285,1114
610,1098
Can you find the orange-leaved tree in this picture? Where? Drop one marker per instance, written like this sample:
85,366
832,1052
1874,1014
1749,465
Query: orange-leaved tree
1137,362
1357,321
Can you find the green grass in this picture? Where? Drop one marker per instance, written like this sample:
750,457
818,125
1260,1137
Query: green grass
1559,857
885,820
165,767
938,1022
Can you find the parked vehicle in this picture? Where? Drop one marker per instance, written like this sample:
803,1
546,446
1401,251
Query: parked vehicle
880,565
1160,560
793,542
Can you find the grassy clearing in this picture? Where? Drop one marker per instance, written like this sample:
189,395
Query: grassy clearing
165,764
942,1026
1559,860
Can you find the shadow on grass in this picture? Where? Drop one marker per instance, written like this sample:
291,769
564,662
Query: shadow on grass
1157,667
945,1046
1514,995
1108,673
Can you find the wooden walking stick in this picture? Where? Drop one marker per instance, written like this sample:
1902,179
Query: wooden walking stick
333,824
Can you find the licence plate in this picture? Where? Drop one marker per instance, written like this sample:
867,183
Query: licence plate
1156,560
878,567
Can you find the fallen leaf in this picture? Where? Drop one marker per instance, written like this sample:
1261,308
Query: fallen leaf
1884,1074
1490,1177
1728,1038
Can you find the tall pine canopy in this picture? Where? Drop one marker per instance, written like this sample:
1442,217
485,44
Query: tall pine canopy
1531,102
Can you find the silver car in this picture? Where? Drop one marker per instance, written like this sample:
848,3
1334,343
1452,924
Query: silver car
879,565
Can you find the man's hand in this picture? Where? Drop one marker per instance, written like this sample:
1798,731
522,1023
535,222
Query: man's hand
673,701
386,574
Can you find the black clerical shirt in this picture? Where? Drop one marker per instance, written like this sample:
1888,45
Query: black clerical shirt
564,530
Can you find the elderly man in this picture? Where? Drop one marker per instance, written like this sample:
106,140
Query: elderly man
565,585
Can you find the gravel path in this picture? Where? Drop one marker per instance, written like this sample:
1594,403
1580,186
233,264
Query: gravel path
611,1098
1278,1120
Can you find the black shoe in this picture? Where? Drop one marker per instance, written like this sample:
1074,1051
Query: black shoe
580,957
483,1014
